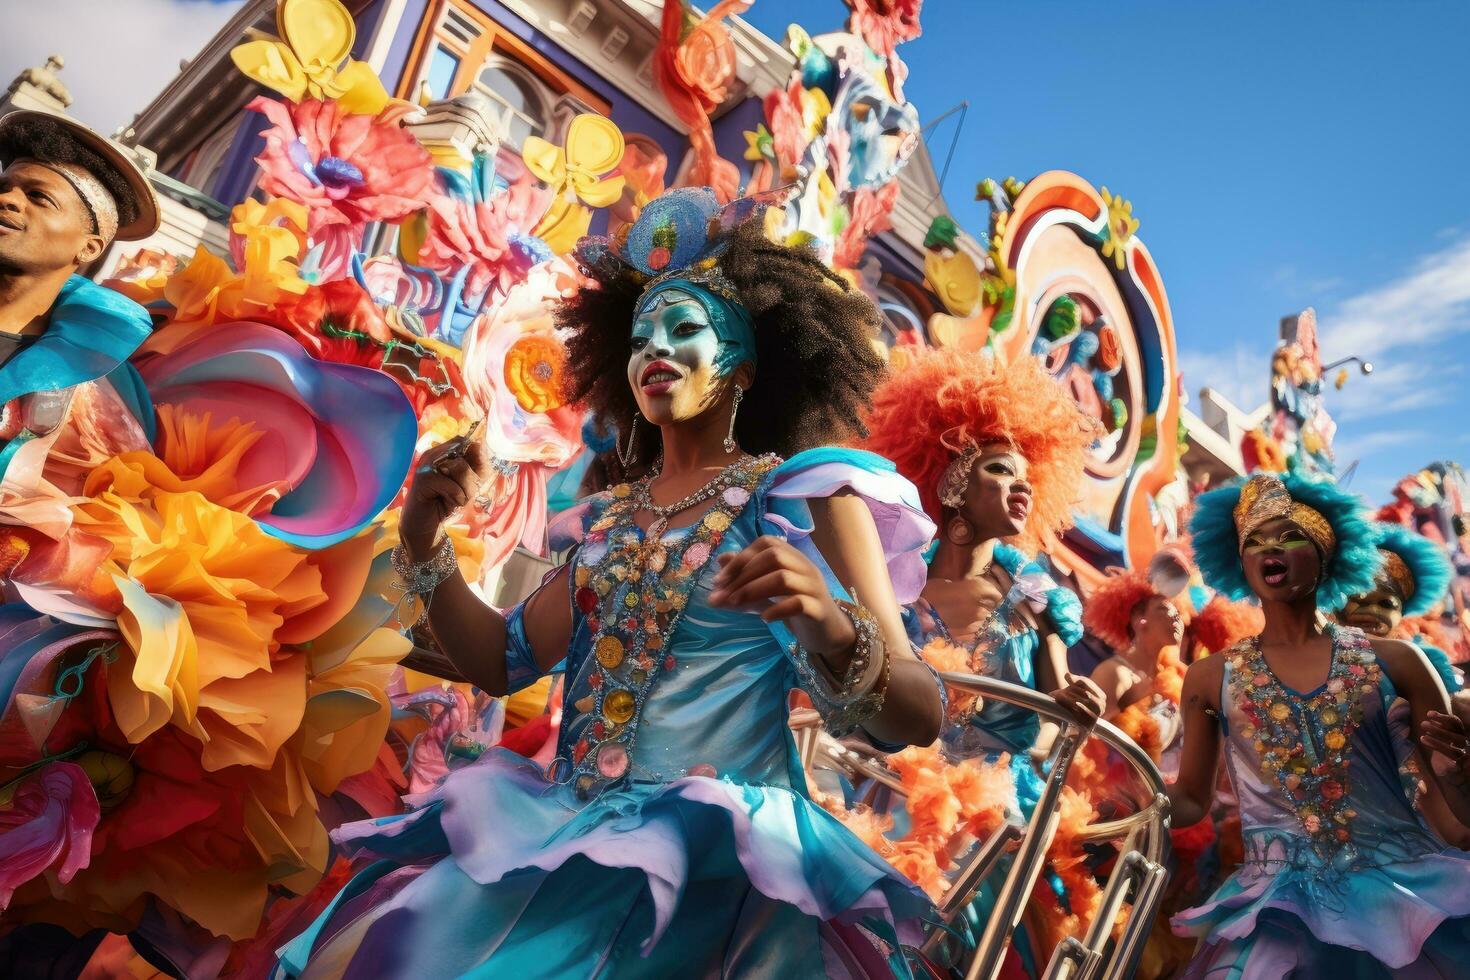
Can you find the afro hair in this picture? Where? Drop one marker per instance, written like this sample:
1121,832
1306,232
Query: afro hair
1111,606
45,142
1348,571
1427,562
817,365
1222,624
943,402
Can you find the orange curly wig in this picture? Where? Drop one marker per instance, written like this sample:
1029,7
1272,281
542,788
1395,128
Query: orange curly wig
1222,624
1109,609
942,402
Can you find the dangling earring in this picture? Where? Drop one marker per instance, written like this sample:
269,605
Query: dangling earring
730,439
626,456
959,531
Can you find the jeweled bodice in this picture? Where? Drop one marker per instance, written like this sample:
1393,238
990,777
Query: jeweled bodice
1317,772
1005,648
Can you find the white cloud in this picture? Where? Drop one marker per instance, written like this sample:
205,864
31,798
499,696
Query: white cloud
1242,373
119,53
1428,305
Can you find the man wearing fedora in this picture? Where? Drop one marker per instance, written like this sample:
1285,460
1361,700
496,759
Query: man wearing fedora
66,193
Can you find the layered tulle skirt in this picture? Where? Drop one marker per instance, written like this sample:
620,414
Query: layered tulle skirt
1385,912
502,872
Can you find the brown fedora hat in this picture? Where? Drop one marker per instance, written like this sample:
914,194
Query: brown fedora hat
137,204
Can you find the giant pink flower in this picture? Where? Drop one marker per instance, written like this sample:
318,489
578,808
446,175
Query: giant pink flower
347,169
493,237
48,823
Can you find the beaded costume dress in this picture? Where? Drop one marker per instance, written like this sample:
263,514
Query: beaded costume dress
673,836
1006,649
1341,876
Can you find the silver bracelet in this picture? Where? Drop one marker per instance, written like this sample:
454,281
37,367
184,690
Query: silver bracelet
846,708
422,578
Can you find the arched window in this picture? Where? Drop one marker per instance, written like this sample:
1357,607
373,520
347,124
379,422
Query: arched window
525,100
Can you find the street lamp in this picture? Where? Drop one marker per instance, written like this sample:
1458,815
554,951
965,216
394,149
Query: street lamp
1366,367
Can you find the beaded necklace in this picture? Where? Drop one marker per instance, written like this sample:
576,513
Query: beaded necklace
1304,744
633,588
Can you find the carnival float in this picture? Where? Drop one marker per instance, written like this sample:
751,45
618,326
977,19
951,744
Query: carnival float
215,666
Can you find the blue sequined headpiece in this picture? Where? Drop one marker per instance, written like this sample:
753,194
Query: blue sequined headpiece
676,244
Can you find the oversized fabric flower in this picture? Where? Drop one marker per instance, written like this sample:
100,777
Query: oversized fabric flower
484,230
693,68
207,843
311,58
870,216
330,443
529,445
346,169
1121,228
46,821
142,275
578,176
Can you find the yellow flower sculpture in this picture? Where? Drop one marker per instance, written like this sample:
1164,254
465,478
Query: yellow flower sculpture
1121,228
311,58
577,176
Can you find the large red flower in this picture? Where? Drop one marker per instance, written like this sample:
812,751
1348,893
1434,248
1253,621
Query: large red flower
885,24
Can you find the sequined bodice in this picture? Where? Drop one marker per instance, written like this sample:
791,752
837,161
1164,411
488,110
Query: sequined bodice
1317,772
660,683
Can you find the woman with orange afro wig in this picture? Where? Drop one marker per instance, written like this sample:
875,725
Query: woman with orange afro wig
997,453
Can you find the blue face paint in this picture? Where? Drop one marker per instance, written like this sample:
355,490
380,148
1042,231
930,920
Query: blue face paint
731,322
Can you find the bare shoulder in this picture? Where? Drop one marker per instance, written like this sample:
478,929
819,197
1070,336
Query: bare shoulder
1110,674
1202,681
1405,663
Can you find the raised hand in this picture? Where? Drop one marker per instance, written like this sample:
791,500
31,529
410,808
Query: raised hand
771,577
1082,697
446,479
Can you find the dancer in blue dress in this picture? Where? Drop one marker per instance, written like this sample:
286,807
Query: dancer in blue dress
997,452
1341,875
673,835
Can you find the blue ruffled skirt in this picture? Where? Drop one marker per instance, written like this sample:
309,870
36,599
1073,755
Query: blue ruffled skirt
501,872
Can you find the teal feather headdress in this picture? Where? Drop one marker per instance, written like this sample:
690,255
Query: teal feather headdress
1349,566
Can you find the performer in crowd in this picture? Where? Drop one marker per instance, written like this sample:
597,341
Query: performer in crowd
1148,622
66,193
673,835
997,453
1415,576
1332,841
1142,614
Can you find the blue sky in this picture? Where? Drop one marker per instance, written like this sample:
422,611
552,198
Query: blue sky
1278,155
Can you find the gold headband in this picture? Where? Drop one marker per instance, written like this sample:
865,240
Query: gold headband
1398,573
95,197
1265,498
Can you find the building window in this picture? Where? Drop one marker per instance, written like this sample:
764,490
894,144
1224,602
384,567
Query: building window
442,69
466,50
523,98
